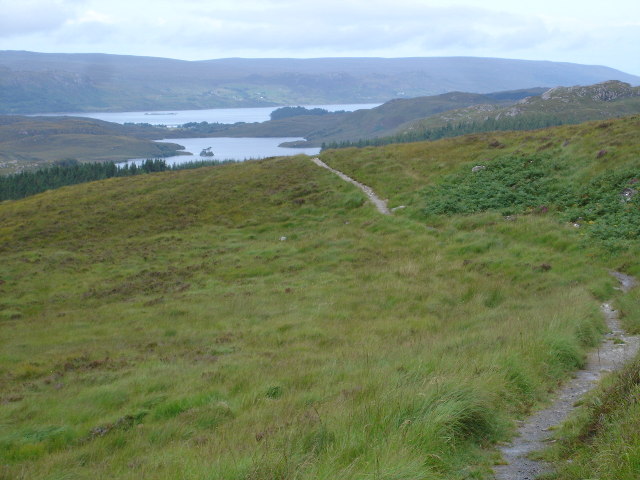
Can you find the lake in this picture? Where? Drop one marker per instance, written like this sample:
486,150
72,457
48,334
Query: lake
223,148
233,149
172,118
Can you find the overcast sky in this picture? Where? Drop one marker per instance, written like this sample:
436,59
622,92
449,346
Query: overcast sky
589,32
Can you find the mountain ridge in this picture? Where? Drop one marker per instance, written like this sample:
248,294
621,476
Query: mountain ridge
567,104
33,82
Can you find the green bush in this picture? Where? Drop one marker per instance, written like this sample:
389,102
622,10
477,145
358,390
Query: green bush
518,184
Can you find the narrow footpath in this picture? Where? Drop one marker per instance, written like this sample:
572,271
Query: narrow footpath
380,204
535,431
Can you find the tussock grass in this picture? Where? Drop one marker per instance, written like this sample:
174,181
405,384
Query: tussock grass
601,440
162,327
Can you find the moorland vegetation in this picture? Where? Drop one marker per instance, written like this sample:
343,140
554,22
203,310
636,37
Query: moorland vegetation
261,320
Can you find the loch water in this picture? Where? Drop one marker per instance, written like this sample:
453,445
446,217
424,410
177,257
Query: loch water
223,148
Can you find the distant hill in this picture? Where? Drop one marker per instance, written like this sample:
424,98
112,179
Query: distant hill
27,142
371,123
38,82
452,114
557,106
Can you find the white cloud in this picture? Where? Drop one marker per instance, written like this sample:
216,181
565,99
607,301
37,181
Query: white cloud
31,16
199,29
92,16
352,26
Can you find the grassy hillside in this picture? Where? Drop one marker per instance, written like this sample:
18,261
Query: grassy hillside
261,320
38,82
400,172
558,106
562,104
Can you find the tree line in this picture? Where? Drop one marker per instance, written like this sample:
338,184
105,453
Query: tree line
529,122
71,172
286,112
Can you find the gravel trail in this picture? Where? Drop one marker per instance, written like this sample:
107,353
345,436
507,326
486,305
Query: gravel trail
380,204
534,432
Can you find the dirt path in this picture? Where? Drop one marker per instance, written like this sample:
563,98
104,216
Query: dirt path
534,432
380,204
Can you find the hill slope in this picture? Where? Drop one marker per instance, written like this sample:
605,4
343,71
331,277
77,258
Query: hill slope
38,82
261,320
567,104
371,123
557,106
29,142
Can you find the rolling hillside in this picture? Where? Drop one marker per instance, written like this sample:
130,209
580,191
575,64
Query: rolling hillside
261,320
451,114
371,123
565,104
557,106
31,142
38,83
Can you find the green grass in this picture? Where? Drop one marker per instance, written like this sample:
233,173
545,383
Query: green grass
578,172
159,327
602,440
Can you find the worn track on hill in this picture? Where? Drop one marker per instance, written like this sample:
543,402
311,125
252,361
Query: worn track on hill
380,204
535,431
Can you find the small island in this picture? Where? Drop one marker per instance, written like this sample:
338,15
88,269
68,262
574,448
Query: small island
206,152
